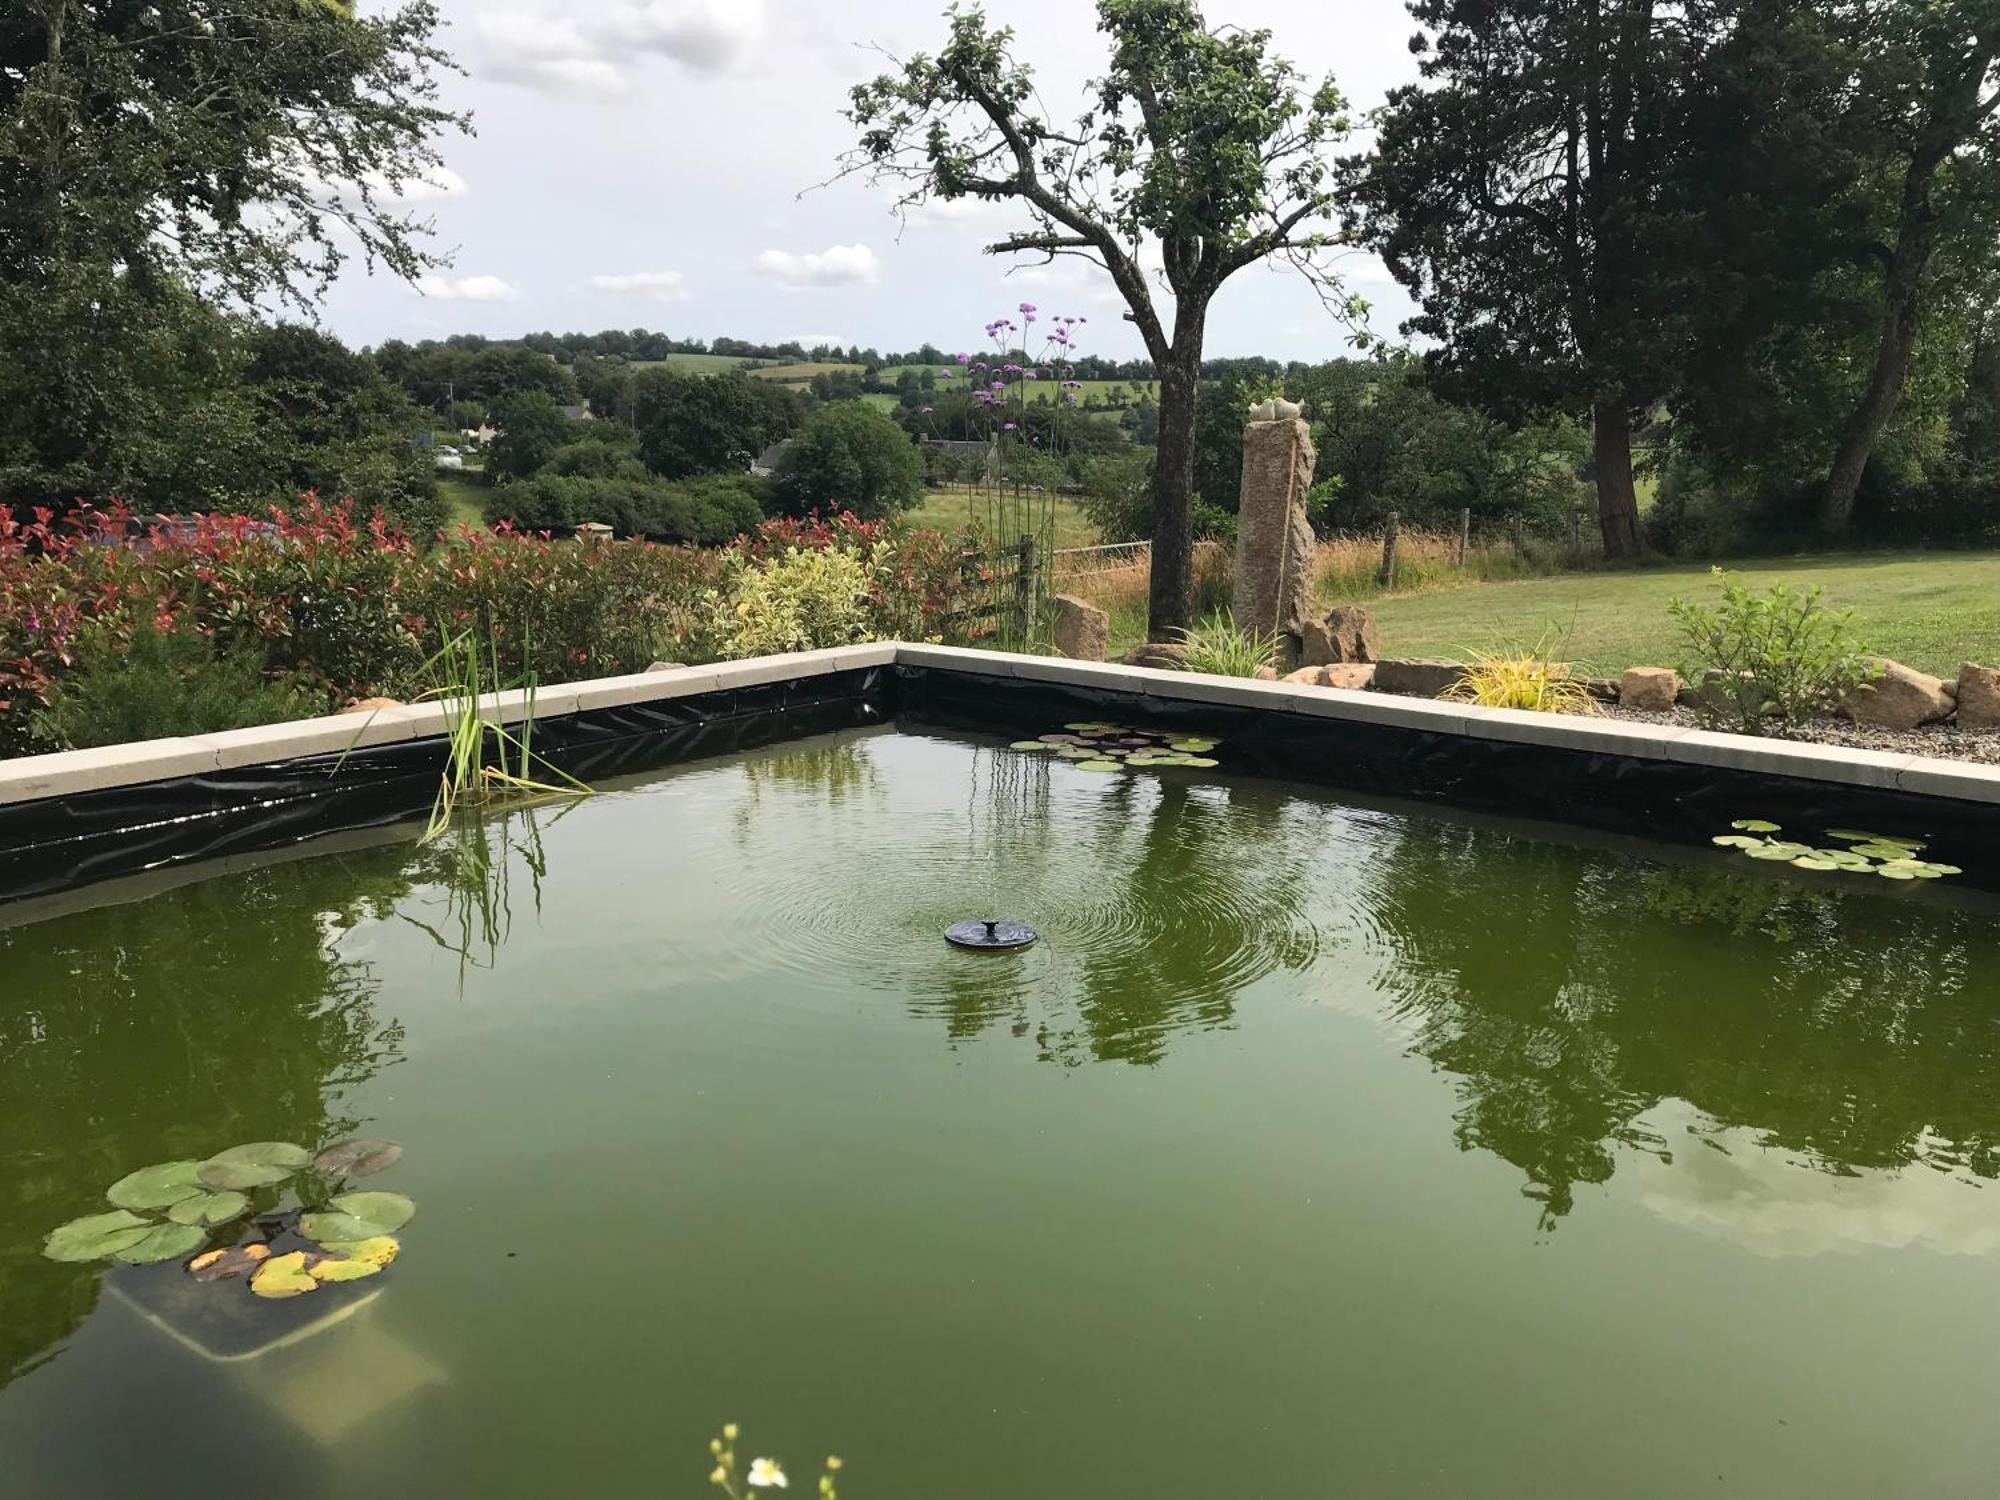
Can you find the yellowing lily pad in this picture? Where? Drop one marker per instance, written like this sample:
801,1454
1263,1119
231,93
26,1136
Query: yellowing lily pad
156,1187
284,1276
224,1265
97,1237
378,1251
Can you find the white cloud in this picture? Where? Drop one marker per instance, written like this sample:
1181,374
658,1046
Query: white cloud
953,213
467,289
655,286
541,47
837,265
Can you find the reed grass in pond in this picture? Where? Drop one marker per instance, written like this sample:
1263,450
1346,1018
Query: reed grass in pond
1318,1148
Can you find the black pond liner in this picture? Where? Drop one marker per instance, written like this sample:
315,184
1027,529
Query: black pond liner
1667,801
58,844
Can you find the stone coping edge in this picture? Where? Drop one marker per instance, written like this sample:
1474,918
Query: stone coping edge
38,777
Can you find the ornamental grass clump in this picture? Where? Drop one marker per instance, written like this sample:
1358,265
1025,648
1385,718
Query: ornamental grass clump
1216,645
1525,679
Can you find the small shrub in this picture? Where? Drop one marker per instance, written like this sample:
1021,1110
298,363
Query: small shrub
162,685
797,601
1217,646
1783,654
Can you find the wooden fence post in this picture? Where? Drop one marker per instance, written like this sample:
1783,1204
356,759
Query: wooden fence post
1575,532
1464,534
1390,532
1520,538
1024,591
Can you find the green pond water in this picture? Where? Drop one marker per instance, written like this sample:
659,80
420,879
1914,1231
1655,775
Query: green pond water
1321,1148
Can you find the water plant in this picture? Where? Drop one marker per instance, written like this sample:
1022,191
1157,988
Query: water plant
485,762
1095,746
1890,856
1216,645
292,1223
763,1473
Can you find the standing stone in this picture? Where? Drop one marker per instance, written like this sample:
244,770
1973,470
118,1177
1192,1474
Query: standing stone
1651,690
1978,697
1082,630
1894,696
1274,541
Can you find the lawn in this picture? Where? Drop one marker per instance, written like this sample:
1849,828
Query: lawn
1929,610
952,510
465,497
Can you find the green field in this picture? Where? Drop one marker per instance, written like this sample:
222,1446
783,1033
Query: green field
1931,611
696,364
800,371
952,510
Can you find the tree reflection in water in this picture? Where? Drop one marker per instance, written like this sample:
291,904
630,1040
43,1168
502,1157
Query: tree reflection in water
158,1029
1571,993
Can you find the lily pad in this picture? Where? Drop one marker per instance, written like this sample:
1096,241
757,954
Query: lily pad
1814,862
1771,852
1737,841
1201,762
333,1269
97,1237
378,1251
359,1158
1087,725
1060,739
164,1242
1755,825
359,1216
1889,872
1099,765
209,1209
259,1164
227,1265
284,1276
161,1186
1030,745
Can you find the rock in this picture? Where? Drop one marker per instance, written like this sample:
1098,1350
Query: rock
1978,697
1417,678
1603,689
1161,655
1308,676
373,705
666,666
1267,674
1651,690
1347,634
1355,676
1082,630
1897,697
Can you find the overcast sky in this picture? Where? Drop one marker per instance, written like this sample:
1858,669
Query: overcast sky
642,164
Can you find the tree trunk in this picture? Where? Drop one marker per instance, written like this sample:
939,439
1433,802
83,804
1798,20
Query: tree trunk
1170,605
1885,389
1617,501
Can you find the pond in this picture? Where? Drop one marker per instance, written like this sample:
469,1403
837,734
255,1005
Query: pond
1320,1147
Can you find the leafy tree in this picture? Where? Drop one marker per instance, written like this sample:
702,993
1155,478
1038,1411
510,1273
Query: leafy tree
1928,89
706,424
1526,193
243,151
1198,141
532,429
850,457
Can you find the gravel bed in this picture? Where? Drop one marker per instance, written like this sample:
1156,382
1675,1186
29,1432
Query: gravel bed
1946,741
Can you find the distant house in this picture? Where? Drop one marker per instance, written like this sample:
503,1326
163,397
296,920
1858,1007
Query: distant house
579,413
765,464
